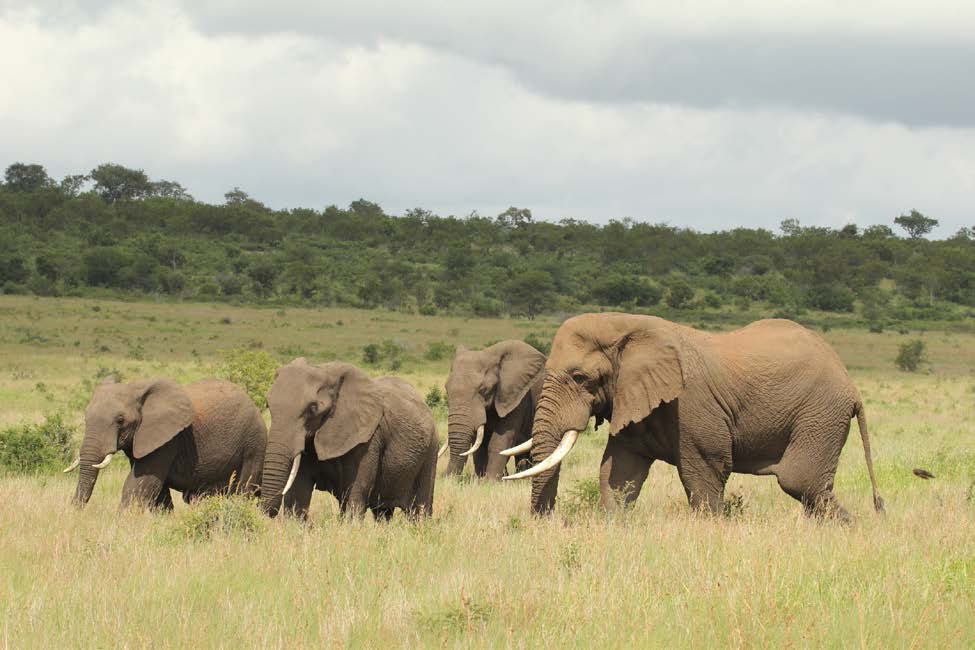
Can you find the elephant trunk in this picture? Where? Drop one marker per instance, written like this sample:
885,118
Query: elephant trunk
545,486
89,456
461,434
559,416
277,467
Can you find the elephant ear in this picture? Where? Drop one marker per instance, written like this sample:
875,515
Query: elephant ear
166,410
650,373
354,417
519,367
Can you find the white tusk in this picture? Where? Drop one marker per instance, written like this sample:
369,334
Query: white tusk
560,452
104,463
72,466
292,475
477,441
443,450
518,449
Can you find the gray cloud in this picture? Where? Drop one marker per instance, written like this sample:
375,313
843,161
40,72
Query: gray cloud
542,107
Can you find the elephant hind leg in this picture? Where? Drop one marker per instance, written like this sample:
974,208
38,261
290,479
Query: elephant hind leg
422,503
808,466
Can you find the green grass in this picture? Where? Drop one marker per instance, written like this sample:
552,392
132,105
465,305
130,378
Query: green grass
482,572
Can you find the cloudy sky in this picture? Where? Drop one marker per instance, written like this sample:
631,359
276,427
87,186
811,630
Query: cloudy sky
707,114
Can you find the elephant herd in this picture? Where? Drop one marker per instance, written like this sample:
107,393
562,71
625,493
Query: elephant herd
771,398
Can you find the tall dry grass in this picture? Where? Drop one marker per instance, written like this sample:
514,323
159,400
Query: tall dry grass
482,572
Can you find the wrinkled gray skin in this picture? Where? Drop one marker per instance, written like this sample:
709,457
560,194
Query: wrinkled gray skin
191,438
771,398
496,388
370,443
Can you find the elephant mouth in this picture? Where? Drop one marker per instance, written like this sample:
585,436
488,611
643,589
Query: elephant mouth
561,451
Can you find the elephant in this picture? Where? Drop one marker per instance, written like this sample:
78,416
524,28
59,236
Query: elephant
201,438
491,397
370,443
771,398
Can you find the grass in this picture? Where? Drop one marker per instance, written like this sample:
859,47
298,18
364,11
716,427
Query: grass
482,572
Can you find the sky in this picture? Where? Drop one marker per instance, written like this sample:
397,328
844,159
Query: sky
705,114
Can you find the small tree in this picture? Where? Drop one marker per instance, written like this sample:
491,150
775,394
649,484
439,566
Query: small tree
252,370
911,356
680,294
916,224
115,182
21,177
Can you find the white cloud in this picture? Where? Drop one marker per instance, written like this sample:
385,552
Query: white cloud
454,112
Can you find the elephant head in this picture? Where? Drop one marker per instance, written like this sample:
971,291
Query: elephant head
329,408
136,417
617,367
497,377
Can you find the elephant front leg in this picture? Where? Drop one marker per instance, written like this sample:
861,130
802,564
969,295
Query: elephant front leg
703,475
298,499
147,478
621,475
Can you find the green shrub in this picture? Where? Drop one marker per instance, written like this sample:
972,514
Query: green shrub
582,497
370,354
434,397
679,293
36,448
437,350
218,515
545,347
251,369
910,356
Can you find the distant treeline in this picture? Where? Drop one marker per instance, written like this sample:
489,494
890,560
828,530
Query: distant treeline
115,229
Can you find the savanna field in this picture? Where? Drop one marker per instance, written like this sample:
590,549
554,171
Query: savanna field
482,572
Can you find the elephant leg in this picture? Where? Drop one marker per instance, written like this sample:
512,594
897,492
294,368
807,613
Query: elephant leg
147,478
622,473
808,466
496,463
298,499
382,513
480,456
165,499
421,505
361,493
703,470
249,479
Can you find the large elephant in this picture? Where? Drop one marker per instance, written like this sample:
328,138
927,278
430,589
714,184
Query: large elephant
370,443
771,398
491,397
201,438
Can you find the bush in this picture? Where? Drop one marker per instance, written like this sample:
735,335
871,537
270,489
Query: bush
545,347
434,397
712,300
679,294
370,354
251,369
222,514
911,356
389,354
437,350
36,448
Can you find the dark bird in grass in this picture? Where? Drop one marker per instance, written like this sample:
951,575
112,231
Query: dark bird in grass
922,473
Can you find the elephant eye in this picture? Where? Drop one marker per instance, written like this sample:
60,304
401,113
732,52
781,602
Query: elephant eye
579,378
119,419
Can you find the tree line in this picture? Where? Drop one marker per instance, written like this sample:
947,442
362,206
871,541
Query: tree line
115,229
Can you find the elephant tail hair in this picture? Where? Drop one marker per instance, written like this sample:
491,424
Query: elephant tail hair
878,502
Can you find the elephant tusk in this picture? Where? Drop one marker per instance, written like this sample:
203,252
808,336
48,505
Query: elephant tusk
292,475
72,466
565,446
477,441
443,449
518,449
104,463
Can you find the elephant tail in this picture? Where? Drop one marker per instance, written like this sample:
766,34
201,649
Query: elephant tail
878,502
